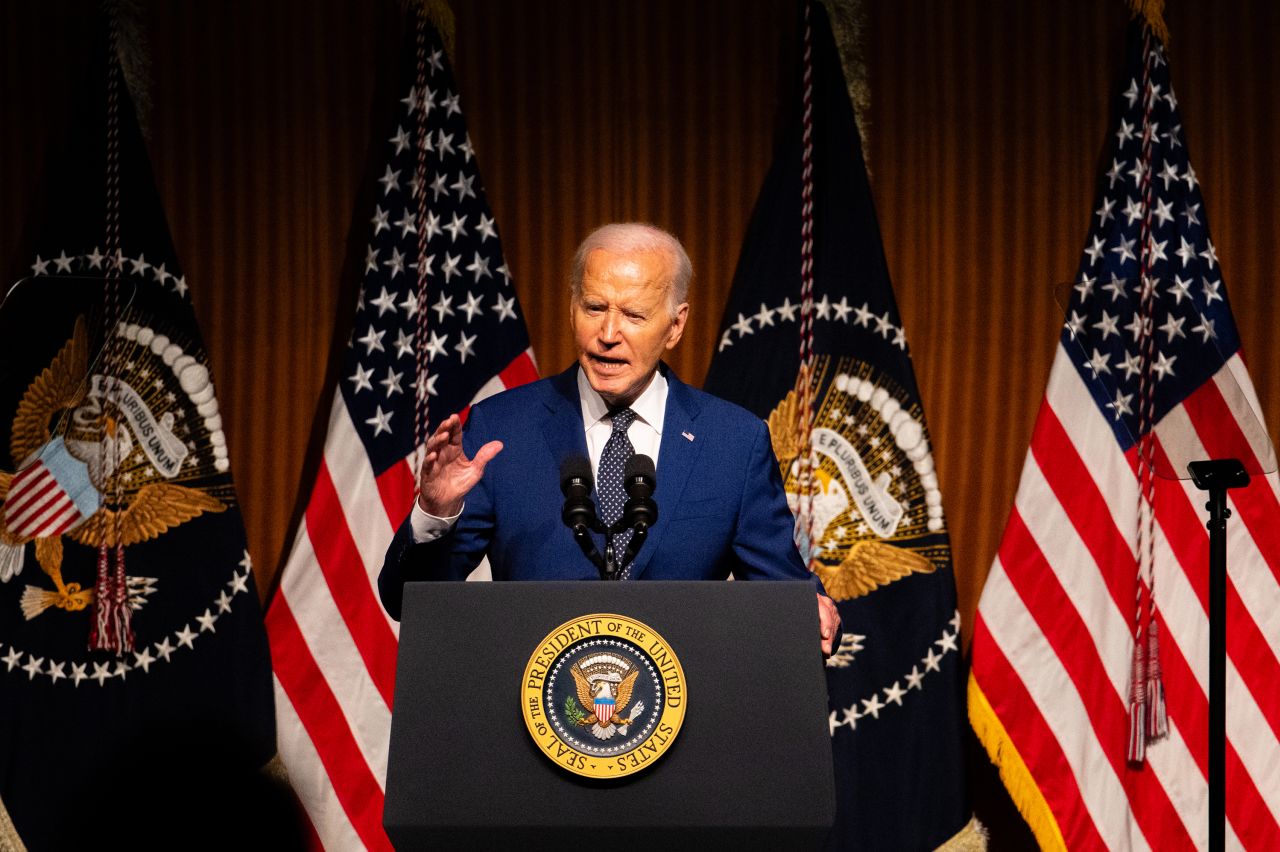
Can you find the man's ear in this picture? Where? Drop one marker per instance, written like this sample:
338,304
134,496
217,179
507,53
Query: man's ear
677,325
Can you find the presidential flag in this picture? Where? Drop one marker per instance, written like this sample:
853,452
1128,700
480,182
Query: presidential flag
414,357
1090,652
135,681
811,297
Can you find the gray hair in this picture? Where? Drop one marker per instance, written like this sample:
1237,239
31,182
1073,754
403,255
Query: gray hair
622,237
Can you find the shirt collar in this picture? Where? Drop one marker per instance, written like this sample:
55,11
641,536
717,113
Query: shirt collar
650,406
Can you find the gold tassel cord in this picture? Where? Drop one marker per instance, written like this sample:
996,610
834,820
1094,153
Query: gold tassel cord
1017,778
1153,12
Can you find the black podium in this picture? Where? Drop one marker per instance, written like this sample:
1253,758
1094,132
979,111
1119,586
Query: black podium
749,769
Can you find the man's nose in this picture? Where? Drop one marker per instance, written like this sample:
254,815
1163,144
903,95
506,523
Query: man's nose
609,328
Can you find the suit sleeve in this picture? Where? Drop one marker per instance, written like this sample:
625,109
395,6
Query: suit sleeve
456,553
763,540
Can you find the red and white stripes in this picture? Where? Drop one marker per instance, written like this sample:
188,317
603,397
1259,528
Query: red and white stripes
1053,635
38,505
333,645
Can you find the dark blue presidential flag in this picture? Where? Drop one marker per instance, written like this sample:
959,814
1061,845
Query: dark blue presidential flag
135,681
812,289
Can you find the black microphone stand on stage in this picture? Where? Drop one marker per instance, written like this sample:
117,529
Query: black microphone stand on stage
1217,477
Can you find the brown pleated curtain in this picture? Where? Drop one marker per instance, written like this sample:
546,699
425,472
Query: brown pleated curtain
985,132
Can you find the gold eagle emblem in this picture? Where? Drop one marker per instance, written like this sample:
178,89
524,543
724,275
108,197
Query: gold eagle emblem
868,563
148,511
604,681
786,424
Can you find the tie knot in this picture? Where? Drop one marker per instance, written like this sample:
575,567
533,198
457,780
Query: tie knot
622,420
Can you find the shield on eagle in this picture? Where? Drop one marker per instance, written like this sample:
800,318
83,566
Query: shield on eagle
51,495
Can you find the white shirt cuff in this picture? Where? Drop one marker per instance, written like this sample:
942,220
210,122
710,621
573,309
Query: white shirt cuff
427,527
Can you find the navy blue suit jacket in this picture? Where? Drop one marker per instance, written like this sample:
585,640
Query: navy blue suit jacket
721,506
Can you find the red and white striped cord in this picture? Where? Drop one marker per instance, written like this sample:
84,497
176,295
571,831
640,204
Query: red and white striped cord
1148,720
110,628
422,412
806,377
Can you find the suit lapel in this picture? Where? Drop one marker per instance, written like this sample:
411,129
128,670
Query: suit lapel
677,458
563,426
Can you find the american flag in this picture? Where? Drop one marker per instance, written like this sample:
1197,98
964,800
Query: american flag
1054,640
333,646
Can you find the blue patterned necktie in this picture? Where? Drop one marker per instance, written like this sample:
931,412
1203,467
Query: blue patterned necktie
609,479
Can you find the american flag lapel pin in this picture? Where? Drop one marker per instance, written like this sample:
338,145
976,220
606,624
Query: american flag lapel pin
688,436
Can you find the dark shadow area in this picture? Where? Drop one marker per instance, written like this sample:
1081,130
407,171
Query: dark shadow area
174,790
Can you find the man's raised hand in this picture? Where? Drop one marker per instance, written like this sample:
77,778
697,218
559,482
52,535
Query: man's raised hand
447,474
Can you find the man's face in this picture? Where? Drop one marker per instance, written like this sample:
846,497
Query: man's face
622,323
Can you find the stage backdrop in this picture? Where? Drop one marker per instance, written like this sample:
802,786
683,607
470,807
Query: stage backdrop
986,123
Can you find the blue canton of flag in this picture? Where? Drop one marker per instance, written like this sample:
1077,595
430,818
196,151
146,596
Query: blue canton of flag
475,328
1190,317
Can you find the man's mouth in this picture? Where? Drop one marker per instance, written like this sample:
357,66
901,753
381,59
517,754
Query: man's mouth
604,362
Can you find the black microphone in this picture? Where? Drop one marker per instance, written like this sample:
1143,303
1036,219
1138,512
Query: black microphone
639,480
576,484
640,512
579,512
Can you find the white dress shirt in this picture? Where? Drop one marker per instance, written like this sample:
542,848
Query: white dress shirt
645,433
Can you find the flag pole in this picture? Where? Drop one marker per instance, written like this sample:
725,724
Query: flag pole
1216,477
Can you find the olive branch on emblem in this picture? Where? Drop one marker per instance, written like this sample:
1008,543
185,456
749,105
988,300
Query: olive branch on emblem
573,711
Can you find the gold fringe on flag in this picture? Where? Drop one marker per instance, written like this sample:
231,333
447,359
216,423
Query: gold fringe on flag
275,771
849,26
1153,11
971,838
1017,778
9,839
135,61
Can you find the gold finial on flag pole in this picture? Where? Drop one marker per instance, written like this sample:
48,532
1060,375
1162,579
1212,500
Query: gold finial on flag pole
1153,11
440,14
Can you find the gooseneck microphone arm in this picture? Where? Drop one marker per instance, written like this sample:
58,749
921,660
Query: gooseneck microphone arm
579,512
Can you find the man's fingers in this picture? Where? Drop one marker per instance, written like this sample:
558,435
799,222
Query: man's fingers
484,455
447,432
828,623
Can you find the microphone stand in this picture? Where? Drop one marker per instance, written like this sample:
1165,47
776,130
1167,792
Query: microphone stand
579,513
1216,477
582,535
611,566
637,541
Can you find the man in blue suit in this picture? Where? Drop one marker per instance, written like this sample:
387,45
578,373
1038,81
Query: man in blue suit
494,488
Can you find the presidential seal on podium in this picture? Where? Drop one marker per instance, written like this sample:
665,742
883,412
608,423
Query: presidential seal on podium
603,696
